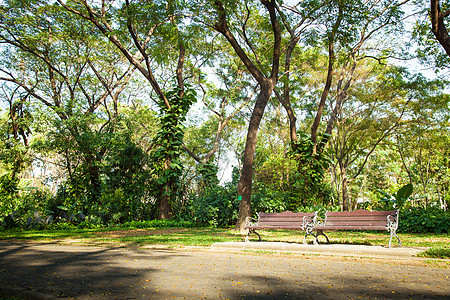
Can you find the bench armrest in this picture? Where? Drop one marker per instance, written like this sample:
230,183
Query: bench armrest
318,221
249,221
308,222
392,222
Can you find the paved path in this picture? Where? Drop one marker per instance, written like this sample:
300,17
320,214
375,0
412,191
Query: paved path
47,271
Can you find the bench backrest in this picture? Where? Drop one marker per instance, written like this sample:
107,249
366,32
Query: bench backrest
286,218
359,217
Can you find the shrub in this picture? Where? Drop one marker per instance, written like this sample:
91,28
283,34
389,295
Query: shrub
422,220
268,200
157,224
217,207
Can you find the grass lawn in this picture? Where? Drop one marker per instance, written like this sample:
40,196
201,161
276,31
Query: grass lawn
207,236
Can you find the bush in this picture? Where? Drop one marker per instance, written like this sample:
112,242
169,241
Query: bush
422,220
268,200
62,226
217,207
157,224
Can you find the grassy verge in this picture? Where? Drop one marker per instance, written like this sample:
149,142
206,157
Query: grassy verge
115,236
207,236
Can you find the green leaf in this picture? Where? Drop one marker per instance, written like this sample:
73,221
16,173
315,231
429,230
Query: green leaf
405,192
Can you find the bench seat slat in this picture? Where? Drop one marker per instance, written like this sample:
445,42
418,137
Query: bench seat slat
362,218
350,227
352,223
361,212
285,214
274,227
271,223
281,219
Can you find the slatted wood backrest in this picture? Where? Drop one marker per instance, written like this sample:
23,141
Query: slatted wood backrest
287,218
359,217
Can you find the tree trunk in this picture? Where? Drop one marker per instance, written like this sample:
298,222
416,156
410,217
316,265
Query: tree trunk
267,85
165,211
345,198
95,182
438,26
245,181
344,180
326,90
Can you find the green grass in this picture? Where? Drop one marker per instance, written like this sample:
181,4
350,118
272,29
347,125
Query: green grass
436,252
207,236
158,236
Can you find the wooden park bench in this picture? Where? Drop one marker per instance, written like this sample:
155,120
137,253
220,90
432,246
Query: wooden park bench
356,220
285,220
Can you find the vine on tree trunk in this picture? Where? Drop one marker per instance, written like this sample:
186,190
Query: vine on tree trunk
167,149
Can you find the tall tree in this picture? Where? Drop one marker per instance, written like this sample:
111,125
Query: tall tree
66,68
421,140
345,31
372,111
266,84
15,130
150,32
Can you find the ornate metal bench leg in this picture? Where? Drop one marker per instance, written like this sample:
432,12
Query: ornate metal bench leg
308,231
328,241
394,233
250,231
258,236
320,232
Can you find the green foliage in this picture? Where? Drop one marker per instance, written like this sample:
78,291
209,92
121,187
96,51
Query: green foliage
83,148
62,226
157,224
208,174
269,199
212,205
397,200
10,221
403,194
8,193
309,179
165,157
118,206
217,206
290,182
26,207
420,219
126,183
14,153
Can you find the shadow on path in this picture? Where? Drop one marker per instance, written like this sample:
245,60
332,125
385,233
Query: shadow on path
77,272
80,272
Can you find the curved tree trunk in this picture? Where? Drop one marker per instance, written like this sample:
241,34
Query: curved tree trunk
245,181
438,26
267,84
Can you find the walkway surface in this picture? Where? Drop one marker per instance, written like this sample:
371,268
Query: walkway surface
50,271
